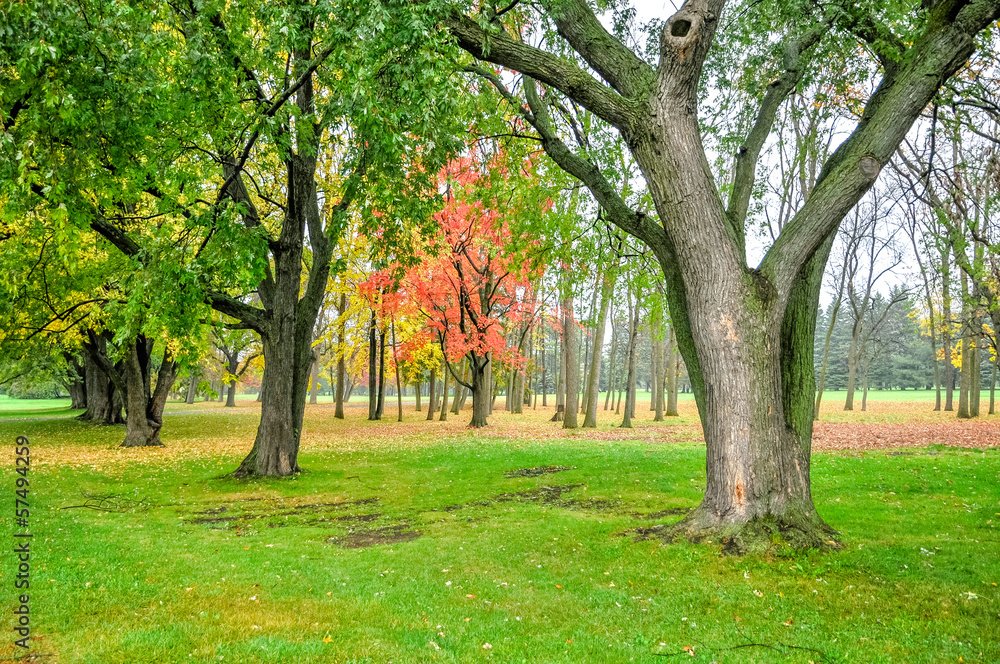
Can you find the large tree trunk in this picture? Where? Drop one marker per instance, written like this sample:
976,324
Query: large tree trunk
571,333
746,334
287,332
478,367
144,410
104,403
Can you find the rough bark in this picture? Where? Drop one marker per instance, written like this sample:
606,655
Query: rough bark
479,387
144,407
746,334
104,400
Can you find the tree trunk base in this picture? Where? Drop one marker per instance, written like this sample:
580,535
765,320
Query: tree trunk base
764,534
560,412
143,440
248,468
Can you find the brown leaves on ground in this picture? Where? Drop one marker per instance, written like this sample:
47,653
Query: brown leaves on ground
878,436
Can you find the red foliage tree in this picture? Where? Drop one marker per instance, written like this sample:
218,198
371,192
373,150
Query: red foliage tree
473,283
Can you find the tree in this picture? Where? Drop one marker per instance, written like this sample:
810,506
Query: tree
746,333
474,279
273,126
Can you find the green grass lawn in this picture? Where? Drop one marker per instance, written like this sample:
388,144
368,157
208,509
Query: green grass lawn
27,408
422,549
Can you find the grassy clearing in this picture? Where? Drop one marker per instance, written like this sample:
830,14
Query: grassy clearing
410,543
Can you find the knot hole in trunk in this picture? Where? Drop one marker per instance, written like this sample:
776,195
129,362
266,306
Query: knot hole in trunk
680,27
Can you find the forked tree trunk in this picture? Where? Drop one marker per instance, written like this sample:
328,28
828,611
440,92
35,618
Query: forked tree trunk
286,333
144,409
746,334
104,404
399,386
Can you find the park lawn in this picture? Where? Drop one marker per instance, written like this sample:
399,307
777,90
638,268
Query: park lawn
408,542
30,408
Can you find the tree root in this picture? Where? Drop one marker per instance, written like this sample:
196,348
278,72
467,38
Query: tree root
759,535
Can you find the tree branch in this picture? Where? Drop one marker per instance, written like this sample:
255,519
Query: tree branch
552,70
